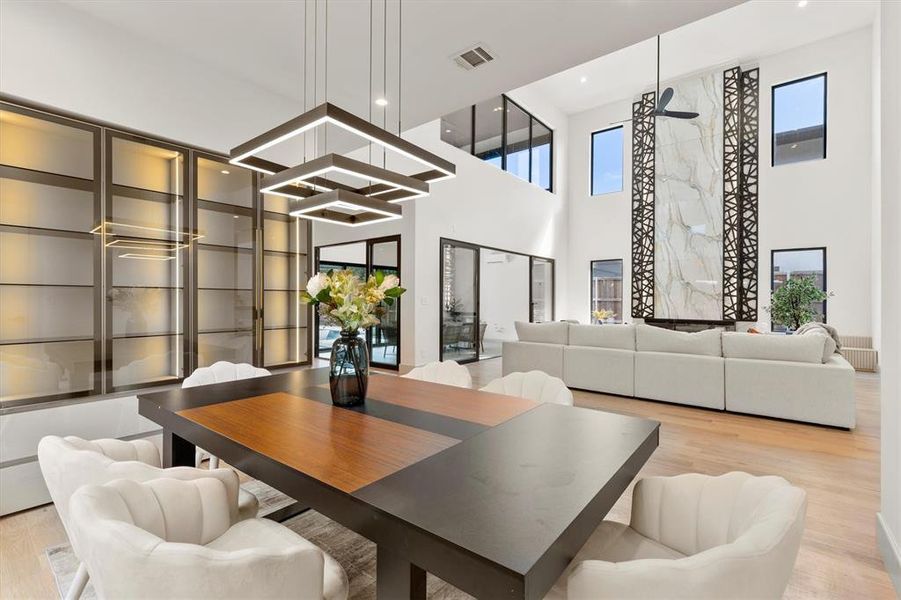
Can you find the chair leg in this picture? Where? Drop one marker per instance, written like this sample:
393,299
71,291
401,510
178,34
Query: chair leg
214,462
79,583
198,458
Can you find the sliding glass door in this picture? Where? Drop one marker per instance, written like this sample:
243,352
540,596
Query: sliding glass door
364,258
484,292
459,301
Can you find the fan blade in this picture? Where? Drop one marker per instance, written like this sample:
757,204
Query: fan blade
665,97
619,122
677,114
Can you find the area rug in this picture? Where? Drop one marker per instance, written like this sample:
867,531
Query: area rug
355,553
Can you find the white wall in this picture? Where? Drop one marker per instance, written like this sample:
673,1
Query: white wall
889,519
504,296
817,203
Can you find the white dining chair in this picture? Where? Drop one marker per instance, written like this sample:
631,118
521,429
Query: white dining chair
219,372
70,463
693,536
168,538
448,372
534,385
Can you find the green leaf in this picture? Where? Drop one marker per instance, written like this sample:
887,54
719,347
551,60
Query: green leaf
323,296
379,277
389,301
395,292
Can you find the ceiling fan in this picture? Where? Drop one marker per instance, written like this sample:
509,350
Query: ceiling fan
664,99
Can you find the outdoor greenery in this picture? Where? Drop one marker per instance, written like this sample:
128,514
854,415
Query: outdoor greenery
792,303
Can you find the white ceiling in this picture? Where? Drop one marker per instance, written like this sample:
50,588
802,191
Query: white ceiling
740,35
261,43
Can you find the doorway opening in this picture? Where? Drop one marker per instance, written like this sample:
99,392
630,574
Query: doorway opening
363,258
484,291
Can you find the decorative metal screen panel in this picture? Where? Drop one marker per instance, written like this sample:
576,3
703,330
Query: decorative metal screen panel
748,258
643,206
740,170
731,198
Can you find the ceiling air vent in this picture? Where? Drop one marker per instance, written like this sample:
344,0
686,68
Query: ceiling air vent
474,57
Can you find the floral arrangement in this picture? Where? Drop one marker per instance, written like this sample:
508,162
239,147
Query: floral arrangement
603,314
343,298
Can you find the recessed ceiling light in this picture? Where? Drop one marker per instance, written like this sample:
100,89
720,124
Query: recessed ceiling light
234,216
583,79
802,3
447,131
381,102
224,172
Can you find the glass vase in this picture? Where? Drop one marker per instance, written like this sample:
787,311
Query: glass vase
349,369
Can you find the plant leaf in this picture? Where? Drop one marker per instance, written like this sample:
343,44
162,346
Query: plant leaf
379,277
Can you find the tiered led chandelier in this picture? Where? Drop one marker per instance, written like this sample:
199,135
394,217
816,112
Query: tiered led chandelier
311,187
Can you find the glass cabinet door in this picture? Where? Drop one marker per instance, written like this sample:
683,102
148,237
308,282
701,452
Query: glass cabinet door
226,269
146,237
49,259
285,272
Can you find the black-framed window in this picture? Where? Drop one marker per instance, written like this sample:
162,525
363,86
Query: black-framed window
607,161
504,134
799,120
607,290
789,263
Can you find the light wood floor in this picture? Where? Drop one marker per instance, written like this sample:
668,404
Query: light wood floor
839,470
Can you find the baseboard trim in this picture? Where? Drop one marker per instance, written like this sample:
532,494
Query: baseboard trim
891,552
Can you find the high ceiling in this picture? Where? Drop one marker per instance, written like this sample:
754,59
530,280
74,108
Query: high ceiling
740,35
262,45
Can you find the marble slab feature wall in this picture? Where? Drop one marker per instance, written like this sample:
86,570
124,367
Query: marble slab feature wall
688,232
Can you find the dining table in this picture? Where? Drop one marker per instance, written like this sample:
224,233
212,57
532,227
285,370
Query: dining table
494,494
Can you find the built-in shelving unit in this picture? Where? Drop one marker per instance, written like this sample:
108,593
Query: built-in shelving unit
285,270
49,202
127,261
145,235
226,267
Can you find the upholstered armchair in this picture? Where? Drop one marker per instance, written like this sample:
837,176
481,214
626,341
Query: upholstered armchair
694,536
219,372
534,385
448,372
169,538
71,462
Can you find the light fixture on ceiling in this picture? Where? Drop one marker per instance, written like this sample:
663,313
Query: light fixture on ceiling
802,3
224,172
344,208
583,79
137,256
330,114
312,187
314,174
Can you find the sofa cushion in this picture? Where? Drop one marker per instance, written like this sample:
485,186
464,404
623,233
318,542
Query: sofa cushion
621,337
792,348
543,333
829,345
657,339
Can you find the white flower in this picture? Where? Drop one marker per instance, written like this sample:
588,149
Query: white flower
317,283
390,281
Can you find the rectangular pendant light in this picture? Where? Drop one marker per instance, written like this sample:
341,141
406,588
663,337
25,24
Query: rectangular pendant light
245,154
314,174
322,207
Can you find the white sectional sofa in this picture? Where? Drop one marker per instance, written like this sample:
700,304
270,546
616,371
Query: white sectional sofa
790,377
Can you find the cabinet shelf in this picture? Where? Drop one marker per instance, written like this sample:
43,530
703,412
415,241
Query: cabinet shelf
47,340
225,248
46,178
213,331
143,194
132,336
46,231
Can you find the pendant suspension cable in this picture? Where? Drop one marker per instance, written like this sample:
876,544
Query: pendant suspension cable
325,93
657,93
304,72
400,54
385,76
370,74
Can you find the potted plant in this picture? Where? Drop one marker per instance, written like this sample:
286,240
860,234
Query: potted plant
344,299
791,303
